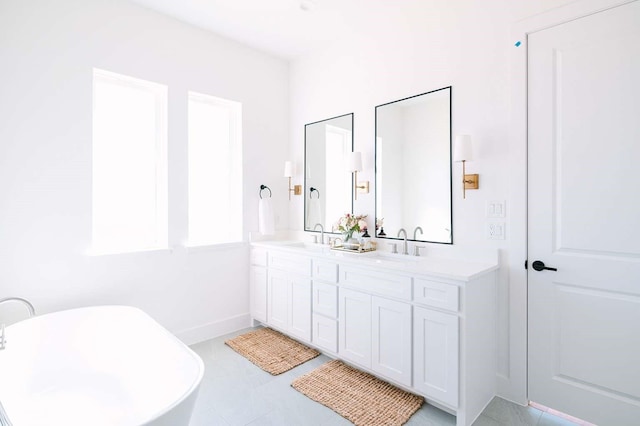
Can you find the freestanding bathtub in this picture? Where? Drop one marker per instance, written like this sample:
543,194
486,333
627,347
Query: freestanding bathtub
97,366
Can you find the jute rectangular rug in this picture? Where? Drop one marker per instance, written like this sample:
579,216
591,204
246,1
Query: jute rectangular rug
274,352
359,397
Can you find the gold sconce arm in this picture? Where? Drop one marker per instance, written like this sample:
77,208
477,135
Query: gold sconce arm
363,186
470,181
296,189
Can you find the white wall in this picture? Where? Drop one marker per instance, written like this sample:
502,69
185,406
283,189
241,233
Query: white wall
47,52
417,47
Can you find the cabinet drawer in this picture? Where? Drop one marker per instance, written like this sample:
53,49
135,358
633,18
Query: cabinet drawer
292,263
324,270
258,257
325,333
325,299
436,294
383,283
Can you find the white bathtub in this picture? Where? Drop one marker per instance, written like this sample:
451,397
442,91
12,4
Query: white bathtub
98,366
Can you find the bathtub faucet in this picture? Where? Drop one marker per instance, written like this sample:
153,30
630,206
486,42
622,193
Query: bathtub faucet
32,312
25,302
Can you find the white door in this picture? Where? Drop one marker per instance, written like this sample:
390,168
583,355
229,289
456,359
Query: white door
584,216
391,340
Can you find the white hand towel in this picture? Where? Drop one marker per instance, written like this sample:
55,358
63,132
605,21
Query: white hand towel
314,212
266,222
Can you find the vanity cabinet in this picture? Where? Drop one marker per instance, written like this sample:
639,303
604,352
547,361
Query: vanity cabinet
258,284
278,299
325,315
258,293
299,309
288,295
435,343
324,276
355,327
425,325
376,333
391,341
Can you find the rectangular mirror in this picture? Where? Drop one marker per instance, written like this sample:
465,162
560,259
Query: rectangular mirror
327,184
413,167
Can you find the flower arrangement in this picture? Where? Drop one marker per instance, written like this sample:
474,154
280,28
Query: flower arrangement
348,224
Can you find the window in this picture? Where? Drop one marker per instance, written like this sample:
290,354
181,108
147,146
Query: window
129,187
215,170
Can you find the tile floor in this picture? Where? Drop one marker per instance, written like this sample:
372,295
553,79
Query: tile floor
236,392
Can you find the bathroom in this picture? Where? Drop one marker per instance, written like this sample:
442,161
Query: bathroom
49,50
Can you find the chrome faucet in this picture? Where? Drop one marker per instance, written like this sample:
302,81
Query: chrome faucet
321,231
405,247
415,231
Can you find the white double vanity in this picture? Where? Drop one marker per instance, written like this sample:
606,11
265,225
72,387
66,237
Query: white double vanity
426,324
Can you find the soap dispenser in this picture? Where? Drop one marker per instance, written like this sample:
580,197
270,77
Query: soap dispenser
366,240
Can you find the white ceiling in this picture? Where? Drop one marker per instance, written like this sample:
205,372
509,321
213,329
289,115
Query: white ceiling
281,27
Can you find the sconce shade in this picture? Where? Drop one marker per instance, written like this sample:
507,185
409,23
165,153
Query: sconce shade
288,169
355,162
462,149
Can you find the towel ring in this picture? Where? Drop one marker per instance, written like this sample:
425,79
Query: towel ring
311,192
263,187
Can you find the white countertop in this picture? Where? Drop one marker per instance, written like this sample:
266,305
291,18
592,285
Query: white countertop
462,269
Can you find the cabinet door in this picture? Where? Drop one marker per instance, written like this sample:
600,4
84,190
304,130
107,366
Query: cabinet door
258,290
355,327
277,299
391,340
300,308
436,355
325,333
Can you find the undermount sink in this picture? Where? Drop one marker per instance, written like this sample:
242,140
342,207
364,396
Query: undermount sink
306,246
377,257
384,257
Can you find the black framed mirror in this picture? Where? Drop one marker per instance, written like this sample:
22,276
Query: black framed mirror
413,167
328,189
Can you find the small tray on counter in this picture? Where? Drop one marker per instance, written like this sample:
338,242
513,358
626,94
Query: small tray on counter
354,248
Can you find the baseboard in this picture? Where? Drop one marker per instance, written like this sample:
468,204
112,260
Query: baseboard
510,391
214,329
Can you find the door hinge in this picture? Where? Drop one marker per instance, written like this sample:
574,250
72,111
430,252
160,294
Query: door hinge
526,264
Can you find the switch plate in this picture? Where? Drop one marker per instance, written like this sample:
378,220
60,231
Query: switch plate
496,208
496,230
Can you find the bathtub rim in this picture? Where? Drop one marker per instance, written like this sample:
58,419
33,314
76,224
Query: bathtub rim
193,387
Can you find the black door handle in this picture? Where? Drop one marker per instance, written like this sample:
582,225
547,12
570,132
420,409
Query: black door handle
539,266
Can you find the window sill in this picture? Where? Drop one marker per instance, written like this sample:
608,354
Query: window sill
97,253
214,247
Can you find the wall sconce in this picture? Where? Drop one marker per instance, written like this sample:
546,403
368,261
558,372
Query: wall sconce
462,152
288,173
354,165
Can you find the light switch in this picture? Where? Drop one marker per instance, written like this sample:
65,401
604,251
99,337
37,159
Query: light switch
496,230
496,208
